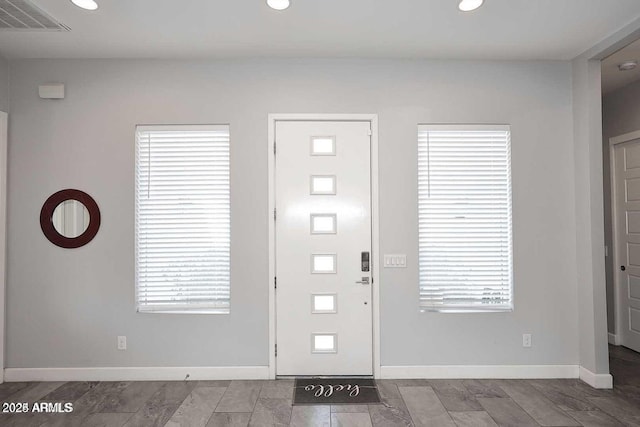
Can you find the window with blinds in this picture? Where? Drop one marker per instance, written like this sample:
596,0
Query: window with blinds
464,217
183,223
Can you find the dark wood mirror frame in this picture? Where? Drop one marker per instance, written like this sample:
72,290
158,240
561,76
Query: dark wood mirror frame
46,218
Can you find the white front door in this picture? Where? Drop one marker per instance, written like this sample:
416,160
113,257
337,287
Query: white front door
627,203
323,248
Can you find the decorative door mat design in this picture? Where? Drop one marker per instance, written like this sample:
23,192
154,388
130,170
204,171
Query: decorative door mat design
335,391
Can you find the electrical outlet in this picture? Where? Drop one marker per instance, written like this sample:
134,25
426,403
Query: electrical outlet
122,343
526,340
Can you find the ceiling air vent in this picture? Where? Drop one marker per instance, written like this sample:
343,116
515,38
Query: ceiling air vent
23,15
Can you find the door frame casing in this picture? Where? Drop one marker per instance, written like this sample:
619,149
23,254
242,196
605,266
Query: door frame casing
4,140
617,286
375,222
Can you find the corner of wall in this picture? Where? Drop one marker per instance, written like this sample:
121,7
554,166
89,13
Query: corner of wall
602,381
589,214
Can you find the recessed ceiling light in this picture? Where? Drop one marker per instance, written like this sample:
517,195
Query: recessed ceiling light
627,65
278,4
469,5
86,4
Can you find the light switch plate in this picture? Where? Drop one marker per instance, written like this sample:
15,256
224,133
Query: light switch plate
395,261
122,342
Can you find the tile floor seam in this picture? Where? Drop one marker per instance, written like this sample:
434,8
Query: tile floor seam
221,397
519,406
491,416
615,417
475,397
435,393
555,407
257,398
213,412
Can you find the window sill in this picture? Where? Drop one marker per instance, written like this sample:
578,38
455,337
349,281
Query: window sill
466,310
183,312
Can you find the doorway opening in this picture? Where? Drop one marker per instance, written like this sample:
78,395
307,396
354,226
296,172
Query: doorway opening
621,146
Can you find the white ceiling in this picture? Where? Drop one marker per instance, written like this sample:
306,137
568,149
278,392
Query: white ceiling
612,77
501,29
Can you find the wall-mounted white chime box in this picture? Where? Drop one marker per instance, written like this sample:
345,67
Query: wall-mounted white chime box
51,91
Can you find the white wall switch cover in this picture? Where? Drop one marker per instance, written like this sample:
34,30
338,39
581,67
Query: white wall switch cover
395,261
122,343
526,340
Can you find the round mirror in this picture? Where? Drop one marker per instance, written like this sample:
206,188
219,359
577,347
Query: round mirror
70,218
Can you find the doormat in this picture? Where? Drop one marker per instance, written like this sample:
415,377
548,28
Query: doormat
335,391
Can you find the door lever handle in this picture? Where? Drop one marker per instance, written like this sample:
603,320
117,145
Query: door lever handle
364,281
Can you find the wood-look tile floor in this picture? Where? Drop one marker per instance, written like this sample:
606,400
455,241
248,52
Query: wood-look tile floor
473,403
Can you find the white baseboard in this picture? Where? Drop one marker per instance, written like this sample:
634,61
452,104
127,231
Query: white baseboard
614,339
480,371
137,373
262,373
596,380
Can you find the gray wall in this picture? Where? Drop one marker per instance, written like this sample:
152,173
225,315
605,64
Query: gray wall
65,307
4,85
620,115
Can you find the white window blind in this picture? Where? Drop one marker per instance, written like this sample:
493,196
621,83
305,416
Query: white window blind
183,224
464,216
